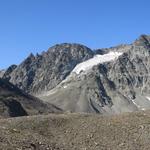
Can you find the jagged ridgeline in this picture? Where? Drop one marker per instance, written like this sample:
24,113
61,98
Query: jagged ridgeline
43,72
78,79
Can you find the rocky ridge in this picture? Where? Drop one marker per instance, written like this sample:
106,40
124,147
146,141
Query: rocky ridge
113,87
43,72
107,87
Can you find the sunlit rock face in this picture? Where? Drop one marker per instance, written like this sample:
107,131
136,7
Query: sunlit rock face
43,72
77,79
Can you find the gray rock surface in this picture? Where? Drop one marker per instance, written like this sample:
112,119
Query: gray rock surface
112,87
43,72
7,74
14,102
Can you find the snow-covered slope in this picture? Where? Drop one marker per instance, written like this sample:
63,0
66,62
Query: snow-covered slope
97,59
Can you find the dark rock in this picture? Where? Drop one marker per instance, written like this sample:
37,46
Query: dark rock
14,102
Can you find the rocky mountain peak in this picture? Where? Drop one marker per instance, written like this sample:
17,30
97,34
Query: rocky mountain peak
75,78
44,71
143,40
8,71
114,81
74,50
29,59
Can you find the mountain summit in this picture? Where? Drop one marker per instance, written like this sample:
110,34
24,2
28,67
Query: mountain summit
77,79
43,72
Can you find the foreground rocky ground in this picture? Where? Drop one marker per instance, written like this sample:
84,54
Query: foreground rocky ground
76,132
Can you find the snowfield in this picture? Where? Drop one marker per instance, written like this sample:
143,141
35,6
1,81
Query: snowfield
97,59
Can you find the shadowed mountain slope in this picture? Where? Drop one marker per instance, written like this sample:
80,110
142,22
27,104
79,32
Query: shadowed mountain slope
14,102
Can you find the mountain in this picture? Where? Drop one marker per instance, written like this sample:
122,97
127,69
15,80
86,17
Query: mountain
14,102
43,72
77,79
115,82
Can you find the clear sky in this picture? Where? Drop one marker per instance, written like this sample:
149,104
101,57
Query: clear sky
34,25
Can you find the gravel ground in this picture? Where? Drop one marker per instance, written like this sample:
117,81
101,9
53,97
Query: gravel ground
130,131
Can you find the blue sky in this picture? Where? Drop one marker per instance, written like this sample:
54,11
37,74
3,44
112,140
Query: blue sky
34,25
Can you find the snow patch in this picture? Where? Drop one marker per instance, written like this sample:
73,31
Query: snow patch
65,86
135,104
97,59
138,106
148,98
